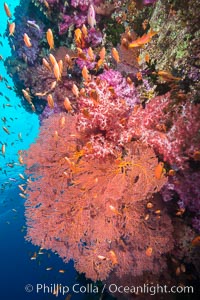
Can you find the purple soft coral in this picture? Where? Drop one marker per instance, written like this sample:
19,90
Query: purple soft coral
149,2
121,87
84,4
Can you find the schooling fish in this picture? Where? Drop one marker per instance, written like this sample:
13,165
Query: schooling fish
3,149
6,130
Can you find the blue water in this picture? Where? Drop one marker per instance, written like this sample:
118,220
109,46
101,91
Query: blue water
17,268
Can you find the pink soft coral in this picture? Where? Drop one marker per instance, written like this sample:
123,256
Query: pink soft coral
104,110
171,128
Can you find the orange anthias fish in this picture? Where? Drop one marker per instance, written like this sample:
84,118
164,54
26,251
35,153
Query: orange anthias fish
67,104
46,64
7,10
52,59
99,64
149,251
159,170
196,241
50,39
60,65
102,53
167,76
84,30
78,36
50,101
11,29
113,257
115,55
85,73
75,90
91,54
27,40
56,71
146,38
114,210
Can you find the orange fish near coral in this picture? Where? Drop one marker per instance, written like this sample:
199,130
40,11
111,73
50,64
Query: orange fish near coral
149,251
196,155
147,58
50,101
27,40
60,65
56,71
50,39
84,30
102,53
167,76
91,54
11,29
78,35
115,55
139,76
113,209
113,257
67,104
52,59
46,4
75,90
85,73
99,64
196,241
7,10
146,38
46,64
159,170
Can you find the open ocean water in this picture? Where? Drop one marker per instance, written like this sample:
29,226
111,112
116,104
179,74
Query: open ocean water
18,272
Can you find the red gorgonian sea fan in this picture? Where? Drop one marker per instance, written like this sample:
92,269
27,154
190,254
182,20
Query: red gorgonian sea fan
92,210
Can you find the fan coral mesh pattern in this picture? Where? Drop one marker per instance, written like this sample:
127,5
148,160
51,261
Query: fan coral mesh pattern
90,210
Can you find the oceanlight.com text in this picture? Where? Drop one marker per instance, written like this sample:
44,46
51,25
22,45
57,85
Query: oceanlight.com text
150,289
